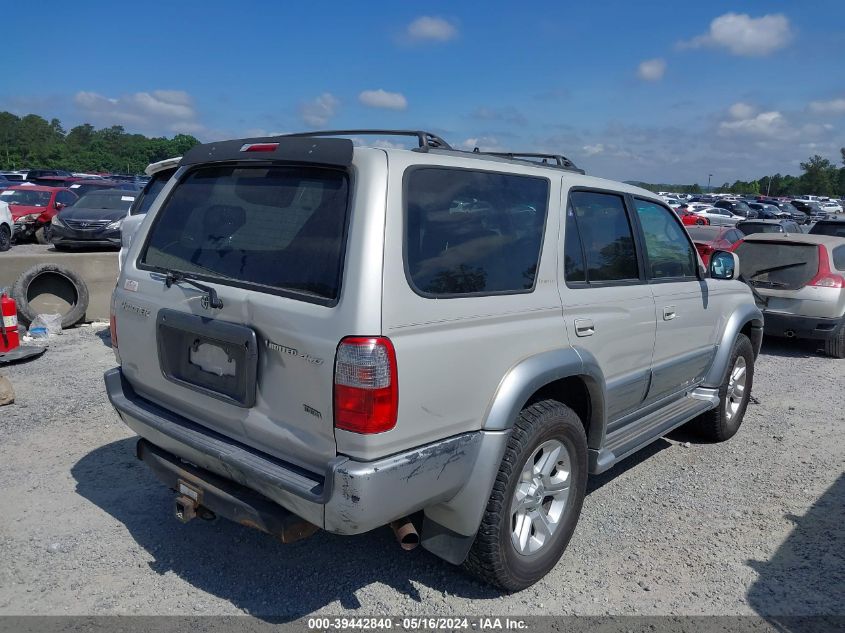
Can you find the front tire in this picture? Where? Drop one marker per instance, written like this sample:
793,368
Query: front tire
536,499
723,422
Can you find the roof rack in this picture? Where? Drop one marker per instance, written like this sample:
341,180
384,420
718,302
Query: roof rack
543,159
427,140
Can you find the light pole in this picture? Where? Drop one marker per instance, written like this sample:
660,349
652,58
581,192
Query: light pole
709,176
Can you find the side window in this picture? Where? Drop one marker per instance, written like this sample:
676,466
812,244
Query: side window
668,250
469,232
605,235
66,198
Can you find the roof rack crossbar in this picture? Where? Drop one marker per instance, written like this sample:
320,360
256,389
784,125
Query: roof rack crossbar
426,140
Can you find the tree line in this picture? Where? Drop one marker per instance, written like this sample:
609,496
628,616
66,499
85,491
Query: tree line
820,177
32,141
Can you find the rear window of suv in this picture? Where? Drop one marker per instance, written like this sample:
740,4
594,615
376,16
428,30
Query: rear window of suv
473,232
778,265
275,229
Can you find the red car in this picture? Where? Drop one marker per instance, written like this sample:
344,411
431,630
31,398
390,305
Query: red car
714,238
691,219
33,208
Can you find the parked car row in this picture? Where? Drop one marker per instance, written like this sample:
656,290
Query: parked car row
43,204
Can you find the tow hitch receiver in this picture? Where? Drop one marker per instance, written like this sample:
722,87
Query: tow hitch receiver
202,494
187,501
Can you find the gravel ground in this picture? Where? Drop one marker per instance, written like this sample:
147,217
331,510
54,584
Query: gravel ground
754,525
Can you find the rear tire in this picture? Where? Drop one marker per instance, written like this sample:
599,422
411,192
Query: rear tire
835,347
723,422
42,235
536,499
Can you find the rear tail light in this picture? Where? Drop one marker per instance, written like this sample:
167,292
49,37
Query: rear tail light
825,278
366,389
113,326
259,147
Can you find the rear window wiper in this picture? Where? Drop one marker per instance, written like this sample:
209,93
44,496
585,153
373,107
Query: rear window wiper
774,268
173,277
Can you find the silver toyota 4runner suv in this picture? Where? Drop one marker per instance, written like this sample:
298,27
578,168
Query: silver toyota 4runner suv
313,334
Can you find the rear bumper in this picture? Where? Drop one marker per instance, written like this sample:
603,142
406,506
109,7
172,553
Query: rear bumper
794,326
348,497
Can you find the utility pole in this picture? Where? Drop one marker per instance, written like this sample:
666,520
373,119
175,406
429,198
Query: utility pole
768,186
709,176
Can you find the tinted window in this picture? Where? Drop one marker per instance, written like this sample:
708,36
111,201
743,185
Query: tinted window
829,228
573,250
269,227
146,198
606,236
470,231
778,265
668,250
839,258
759,227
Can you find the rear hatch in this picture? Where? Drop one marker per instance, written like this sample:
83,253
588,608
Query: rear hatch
778,271
269,240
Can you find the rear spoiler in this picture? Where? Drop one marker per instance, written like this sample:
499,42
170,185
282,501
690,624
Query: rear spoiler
315,151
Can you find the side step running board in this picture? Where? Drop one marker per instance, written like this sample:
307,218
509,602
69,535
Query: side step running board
652,426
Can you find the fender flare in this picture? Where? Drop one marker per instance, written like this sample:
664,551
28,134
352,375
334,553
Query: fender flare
741,316
456,521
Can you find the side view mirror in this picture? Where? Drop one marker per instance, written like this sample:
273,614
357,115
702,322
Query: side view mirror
60,206
724,265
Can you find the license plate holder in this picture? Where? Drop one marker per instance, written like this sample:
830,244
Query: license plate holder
214,357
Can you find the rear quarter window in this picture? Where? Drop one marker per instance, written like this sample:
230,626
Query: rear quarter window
472,232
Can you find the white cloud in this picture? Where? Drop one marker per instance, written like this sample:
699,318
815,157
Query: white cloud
483,143
651,69
834,106
431,28
763,125
156,111
742,110
383,99
743,35
592,150
318,111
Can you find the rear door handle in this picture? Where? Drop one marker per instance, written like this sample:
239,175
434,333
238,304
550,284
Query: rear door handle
669,313
584,327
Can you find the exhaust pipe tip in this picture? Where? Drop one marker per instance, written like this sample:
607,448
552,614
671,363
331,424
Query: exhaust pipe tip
789,333
406,534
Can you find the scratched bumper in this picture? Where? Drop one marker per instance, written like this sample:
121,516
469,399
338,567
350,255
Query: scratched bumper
348,497
367,495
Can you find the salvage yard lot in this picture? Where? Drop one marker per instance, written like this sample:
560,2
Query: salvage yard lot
755,525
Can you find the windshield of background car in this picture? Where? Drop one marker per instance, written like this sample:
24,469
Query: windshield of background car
26,198
275,229
778,265
471,231
106,200
151,190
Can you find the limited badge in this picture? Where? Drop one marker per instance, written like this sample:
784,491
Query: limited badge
131,285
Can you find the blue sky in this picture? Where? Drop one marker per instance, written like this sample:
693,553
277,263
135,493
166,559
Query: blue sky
657,91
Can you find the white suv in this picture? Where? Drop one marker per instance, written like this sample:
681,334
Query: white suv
316,335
